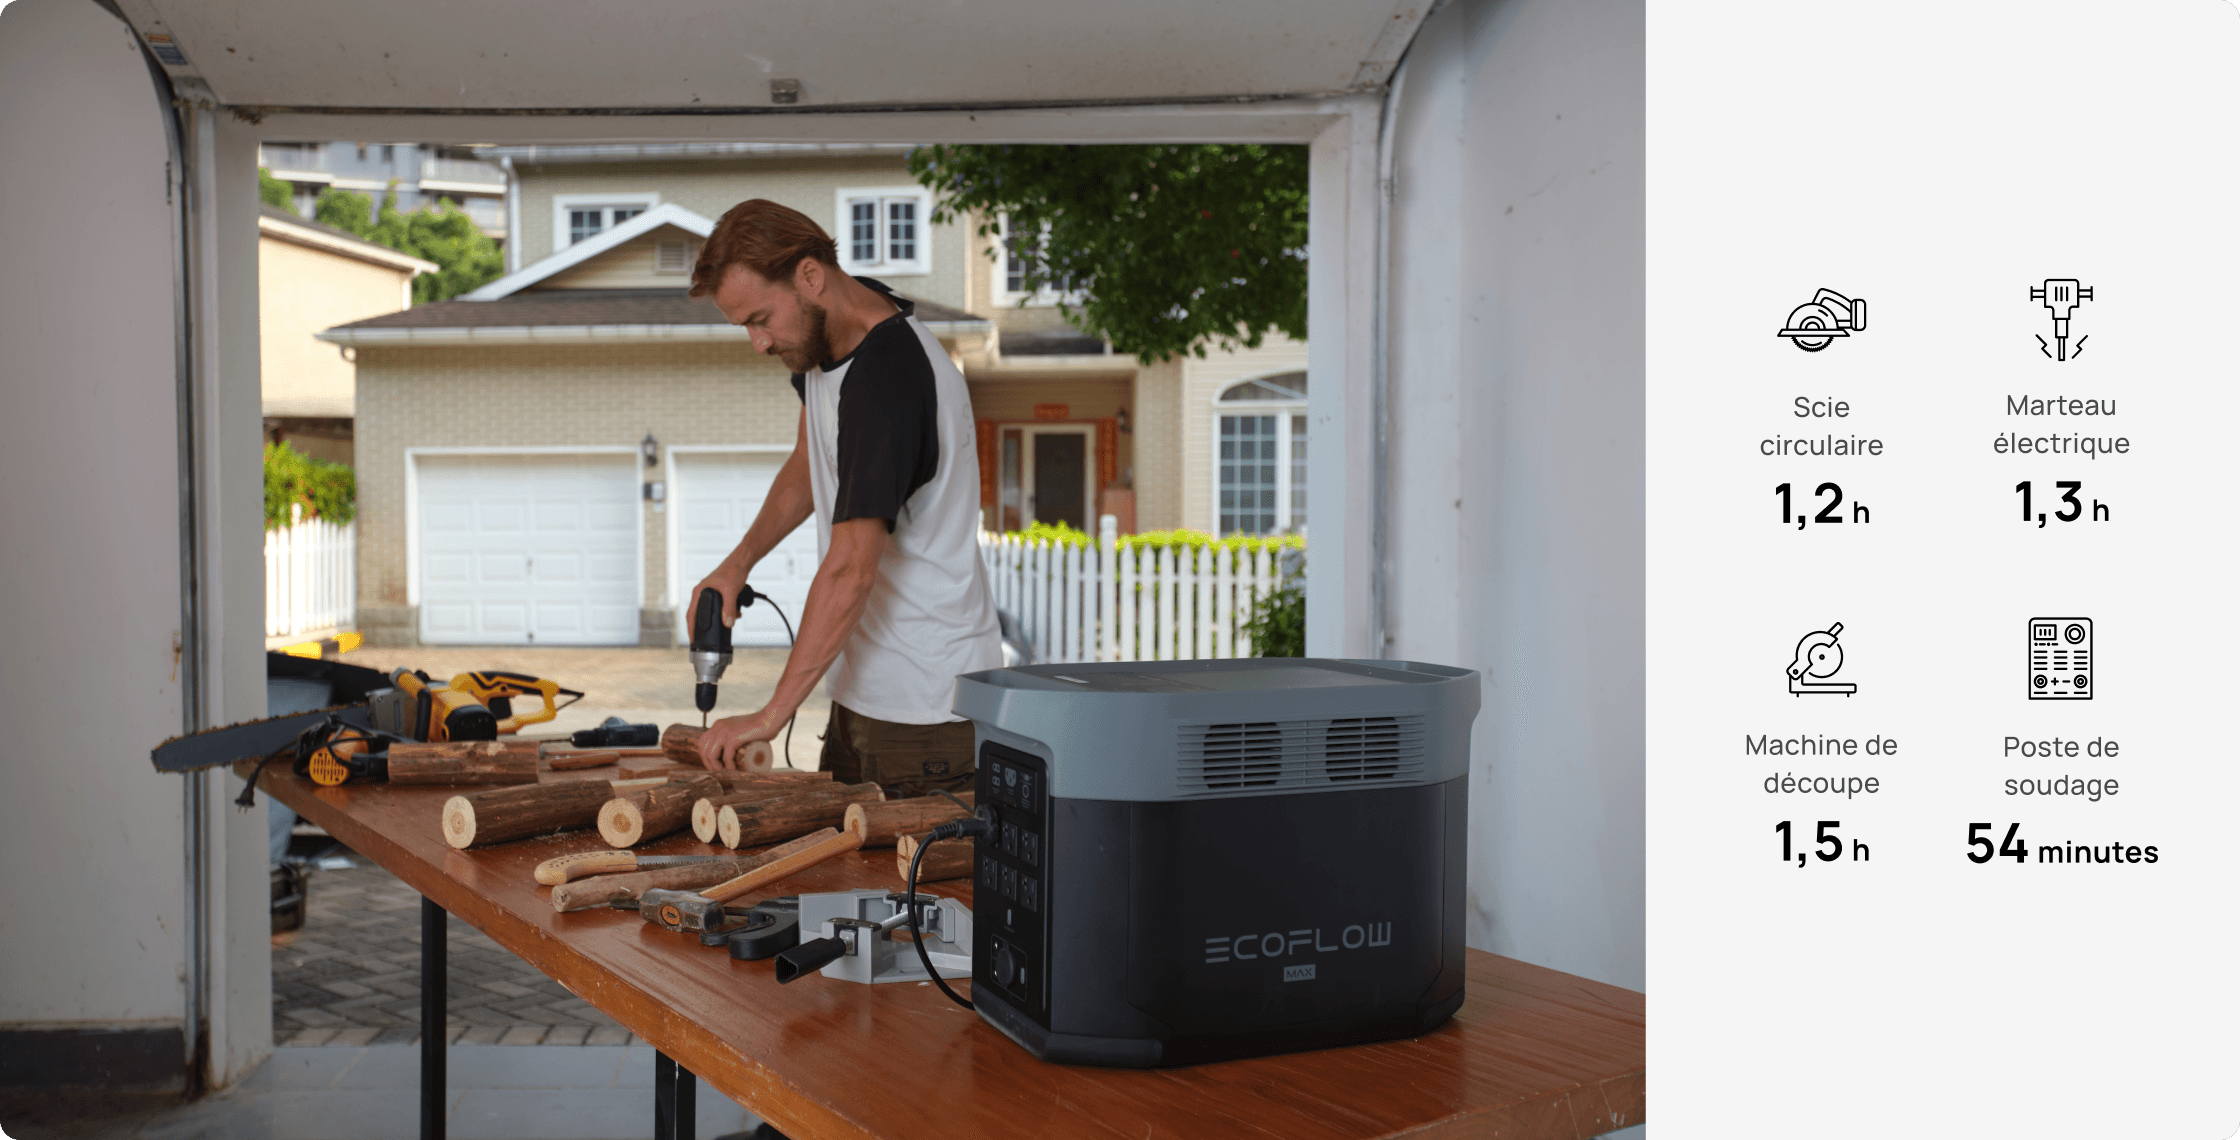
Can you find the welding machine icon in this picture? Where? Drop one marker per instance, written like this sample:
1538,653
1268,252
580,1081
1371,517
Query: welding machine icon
1816,324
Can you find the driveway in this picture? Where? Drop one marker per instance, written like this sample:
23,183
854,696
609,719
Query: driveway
638,685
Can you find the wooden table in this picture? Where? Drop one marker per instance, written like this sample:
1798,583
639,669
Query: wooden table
1532,1053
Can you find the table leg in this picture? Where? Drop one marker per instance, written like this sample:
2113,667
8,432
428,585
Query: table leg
433,978
673,1111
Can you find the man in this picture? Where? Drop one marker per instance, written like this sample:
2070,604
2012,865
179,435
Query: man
885,458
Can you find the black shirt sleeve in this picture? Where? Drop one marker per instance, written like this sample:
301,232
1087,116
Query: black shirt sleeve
888,444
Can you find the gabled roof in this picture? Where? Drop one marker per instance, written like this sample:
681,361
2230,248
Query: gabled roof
667,214
286,226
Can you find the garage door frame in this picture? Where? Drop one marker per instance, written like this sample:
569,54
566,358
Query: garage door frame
412,506
673,595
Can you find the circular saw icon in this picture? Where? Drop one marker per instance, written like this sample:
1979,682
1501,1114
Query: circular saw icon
1817,324
1819,657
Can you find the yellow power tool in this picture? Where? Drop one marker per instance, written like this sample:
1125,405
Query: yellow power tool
496,691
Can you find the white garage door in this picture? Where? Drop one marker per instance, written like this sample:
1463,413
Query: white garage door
713,503
528,549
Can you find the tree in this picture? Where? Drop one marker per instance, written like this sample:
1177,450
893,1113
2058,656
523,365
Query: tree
1167,248
273,192
466,258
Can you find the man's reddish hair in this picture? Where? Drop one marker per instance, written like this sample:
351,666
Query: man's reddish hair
765,237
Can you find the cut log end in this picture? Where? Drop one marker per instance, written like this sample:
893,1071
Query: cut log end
621,823
704,820
458,822
727,826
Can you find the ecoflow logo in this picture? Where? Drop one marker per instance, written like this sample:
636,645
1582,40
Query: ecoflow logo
1279,944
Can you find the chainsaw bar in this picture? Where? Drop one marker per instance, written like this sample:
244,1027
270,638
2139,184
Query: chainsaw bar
249,740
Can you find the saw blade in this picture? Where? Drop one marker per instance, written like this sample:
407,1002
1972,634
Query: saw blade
249,740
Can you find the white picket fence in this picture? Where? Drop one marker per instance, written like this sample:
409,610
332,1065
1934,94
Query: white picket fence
1109,602
310,576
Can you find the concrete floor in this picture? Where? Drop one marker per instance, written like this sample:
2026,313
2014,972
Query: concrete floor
495,1092
639,685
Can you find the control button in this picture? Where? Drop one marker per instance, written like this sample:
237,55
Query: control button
1006,964
1026,790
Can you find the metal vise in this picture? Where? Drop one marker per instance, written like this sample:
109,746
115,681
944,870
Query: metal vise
855,945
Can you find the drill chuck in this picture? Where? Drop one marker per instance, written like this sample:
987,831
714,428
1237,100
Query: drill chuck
704,696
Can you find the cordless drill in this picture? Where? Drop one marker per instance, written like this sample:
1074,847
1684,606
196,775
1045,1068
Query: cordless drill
711,645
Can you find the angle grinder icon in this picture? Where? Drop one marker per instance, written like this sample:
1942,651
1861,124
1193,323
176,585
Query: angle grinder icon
1819,657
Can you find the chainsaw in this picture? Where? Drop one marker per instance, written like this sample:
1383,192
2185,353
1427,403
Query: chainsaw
369,707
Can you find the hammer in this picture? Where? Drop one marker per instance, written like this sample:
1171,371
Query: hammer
693,912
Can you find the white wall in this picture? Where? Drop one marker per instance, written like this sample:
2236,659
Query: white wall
89,494
1517,415
87,613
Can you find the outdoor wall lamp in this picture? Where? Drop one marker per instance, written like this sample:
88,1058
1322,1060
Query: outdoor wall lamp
1123,418
651,449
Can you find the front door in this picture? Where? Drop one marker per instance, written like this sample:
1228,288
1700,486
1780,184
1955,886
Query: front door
1061,477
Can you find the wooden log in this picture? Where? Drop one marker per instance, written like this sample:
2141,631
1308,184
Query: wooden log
744,789
779,818
881,824
465,762
689,877
948,859
629,820
495,816
570,761
681,743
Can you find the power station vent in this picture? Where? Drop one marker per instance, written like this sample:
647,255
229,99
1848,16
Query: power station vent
1263,756
1364,748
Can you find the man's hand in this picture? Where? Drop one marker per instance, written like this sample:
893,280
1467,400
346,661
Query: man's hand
722,582
721,745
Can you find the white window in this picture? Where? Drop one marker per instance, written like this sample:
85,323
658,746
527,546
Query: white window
1018,256
1260,456
579,216
885,231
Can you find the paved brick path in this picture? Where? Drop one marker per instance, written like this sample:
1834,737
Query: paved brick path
351,975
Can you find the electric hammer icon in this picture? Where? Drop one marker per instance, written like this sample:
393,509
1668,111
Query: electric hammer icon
2061,297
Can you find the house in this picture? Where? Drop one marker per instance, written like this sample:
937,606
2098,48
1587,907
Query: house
311,277
556,457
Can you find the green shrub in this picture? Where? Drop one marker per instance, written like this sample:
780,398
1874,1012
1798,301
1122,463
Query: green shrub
327,490
1159,539
1278,625
275,193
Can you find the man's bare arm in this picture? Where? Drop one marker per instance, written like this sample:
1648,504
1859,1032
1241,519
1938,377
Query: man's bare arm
836,603
787,506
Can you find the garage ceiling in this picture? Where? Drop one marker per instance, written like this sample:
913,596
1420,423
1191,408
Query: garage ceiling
527,55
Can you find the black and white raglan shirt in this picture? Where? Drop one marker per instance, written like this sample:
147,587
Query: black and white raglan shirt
890,436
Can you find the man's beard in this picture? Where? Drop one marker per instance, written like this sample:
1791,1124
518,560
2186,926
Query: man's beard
815,348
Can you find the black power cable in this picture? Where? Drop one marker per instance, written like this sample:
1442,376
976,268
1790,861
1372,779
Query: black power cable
750,593
973,828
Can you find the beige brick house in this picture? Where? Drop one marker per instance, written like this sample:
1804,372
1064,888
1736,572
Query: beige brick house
556,457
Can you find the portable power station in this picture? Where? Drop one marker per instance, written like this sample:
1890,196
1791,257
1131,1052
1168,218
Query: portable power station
1202,860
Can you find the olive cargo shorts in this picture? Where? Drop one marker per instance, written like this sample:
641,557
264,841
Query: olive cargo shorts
905,759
